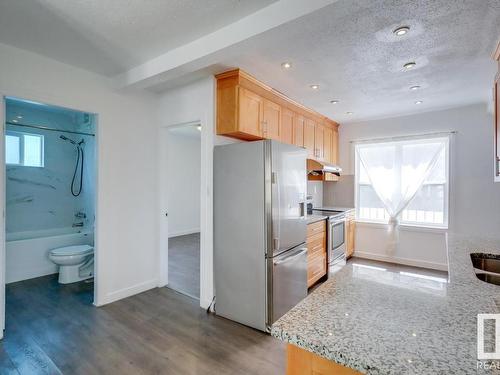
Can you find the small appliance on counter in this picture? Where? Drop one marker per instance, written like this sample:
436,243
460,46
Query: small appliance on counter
309,204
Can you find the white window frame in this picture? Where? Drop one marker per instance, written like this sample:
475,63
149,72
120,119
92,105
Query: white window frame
21,135
446,189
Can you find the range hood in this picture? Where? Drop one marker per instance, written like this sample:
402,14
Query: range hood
316,167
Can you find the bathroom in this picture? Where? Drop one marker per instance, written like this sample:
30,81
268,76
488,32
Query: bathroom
50,169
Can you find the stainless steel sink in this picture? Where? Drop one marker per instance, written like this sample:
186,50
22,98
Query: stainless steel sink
486,262
489,278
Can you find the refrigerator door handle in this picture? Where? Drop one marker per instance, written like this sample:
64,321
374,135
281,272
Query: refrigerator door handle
290,257
277,235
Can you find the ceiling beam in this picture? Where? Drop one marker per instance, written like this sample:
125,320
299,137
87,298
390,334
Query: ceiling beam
196,55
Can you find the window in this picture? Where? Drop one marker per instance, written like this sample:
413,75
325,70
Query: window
24,149
396,160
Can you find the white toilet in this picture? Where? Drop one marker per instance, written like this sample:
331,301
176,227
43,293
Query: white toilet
76,263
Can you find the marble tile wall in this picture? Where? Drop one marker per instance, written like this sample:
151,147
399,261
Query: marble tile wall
40,198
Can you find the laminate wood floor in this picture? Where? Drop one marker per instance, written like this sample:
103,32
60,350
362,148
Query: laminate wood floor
184,264
55,329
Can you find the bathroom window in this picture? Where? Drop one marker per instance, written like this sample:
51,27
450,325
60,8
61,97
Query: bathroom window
24,149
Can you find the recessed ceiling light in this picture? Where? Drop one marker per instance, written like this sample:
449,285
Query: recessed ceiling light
199,127
418,102
334,101
14,120
286,65
409,65
400,31
314,87
19,117
413,88
348,113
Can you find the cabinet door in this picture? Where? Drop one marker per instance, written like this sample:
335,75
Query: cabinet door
287,126
272,120
250,113
298,130
319,139
335,146
327,144
350,230
309,127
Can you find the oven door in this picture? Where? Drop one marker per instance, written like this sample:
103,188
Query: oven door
336,241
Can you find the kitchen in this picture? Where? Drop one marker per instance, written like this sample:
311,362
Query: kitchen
273,245
341,184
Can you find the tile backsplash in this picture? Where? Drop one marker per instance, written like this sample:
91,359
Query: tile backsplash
315,189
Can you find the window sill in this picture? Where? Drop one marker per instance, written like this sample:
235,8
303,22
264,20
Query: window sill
405,227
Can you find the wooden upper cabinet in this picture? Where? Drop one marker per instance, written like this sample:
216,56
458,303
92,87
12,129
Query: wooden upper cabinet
335,146
327,144
319,142
250,113
298,130
309,135
250,110
287,126
271,121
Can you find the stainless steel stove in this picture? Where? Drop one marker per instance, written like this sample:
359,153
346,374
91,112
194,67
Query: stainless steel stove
336,247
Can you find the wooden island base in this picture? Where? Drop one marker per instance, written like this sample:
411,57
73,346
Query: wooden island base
302,362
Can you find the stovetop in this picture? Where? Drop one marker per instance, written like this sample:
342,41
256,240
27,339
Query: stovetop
330,213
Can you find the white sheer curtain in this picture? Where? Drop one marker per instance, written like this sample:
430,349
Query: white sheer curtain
397,169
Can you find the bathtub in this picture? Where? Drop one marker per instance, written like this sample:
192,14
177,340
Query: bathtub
26,253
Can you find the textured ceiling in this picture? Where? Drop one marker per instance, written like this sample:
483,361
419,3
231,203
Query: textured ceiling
110,36
348,48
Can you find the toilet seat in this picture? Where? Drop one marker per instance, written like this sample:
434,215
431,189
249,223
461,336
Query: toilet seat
72,250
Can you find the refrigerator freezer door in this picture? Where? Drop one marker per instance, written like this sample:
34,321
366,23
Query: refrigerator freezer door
289,190
289,280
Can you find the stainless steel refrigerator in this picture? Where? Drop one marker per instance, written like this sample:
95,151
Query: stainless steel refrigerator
260,255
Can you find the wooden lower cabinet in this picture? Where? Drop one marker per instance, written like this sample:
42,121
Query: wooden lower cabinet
350,231
303,362
316,252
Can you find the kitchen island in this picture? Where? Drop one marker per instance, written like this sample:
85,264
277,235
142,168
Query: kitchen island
374,321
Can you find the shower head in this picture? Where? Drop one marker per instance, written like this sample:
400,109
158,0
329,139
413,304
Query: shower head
64,138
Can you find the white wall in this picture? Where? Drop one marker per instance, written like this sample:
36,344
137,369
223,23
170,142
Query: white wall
195,103
184,167
474,197
126,227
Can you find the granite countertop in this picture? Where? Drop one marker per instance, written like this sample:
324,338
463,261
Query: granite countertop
382,322
315,218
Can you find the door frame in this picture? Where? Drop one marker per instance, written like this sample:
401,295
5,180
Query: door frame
163,229
3,182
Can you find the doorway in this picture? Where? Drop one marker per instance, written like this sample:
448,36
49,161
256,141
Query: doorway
50,167
182,146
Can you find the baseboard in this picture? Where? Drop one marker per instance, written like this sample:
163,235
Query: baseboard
183,232
404,261
127,292
205,303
